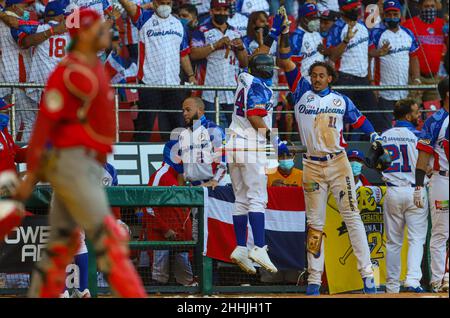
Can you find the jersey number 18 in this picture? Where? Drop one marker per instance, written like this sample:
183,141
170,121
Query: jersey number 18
57,47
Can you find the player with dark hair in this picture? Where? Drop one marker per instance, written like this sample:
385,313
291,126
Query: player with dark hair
431,144
321,114
73,134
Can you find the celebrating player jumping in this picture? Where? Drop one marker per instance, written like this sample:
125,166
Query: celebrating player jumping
321,114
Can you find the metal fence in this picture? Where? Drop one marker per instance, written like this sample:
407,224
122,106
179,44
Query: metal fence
217,110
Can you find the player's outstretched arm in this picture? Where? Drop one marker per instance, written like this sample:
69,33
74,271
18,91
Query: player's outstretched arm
130,7
9,20
37,38
280,24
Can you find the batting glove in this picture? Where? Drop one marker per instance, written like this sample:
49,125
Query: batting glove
375,137
418,197
277,26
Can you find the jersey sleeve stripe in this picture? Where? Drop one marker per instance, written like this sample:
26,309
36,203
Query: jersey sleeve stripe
425,148
257,112
108,9
135,18
293,78
359,122
185,52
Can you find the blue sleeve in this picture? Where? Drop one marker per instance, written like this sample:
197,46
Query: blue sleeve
23,30
296,42
375,35
142,16
106,5
414,44
334,35
239,4
184,45
257,99
297,83
446,134
246,40
430,132
198,39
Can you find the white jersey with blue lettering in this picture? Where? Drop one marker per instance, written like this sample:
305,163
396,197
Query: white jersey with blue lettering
247,7
162,43
239,22
321,117
433,137
100,6
252,98
401,142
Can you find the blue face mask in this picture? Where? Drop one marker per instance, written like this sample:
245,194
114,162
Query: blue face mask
286,164
356,167
26,15
324,34
184,22
4,121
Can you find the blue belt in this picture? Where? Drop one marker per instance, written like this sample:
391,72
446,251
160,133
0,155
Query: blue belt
197,183
325,158
393,185
443,173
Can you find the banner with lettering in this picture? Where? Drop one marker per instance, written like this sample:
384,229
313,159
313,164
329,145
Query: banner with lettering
340,261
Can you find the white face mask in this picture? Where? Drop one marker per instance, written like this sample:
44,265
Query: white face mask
164,11
314,25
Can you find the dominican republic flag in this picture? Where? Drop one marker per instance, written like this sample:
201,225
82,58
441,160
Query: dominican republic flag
285,226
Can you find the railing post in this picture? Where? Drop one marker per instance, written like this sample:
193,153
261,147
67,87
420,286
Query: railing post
217,107
116,107
206,283
13,115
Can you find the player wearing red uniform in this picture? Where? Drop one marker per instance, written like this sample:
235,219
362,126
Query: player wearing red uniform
73,134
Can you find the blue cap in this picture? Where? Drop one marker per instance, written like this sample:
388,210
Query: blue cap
3,104
390,5
170,154
53,9
307,9
355,154
12,2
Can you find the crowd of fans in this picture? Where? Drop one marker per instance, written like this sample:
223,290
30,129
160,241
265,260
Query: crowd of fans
173,43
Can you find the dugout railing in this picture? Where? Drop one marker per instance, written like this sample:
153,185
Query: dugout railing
216,89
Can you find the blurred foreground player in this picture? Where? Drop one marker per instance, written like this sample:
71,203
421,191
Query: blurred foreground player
73,134
433,142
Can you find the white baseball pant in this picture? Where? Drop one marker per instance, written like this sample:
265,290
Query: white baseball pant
335,175
438,196
26,112
161,267
400,212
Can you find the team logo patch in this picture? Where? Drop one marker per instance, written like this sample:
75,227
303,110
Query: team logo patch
310,186
53,100
309,98
337,102
430,30
425,141
262,106
441,205
155,22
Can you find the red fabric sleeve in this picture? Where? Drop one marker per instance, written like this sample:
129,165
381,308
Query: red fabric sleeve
160,221
21,154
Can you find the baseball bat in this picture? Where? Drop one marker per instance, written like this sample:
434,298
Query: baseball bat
343,258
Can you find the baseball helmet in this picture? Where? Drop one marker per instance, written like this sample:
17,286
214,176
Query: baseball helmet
262,66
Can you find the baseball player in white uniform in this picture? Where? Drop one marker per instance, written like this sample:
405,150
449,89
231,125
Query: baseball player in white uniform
399,210
250,131
321,114
47,54
434,143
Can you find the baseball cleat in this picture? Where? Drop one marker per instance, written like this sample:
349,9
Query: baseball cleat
416,290
240,257
81,294
444,287
259,255
313,290
369,285
435,287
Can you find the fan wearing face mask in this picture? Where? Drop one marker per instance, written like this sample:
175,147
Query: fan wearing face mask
306,39
356,158
428,29
395,50
287,175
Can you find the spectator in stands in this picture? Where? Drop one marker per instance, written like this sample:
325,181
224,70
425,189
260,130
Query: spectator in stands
102,7
169,224
286,175
163,49
203,7
189,18
238,20
356,159
275,5
222,47
131,33
428,29
395,51
246,7
306,40
348,45
327,20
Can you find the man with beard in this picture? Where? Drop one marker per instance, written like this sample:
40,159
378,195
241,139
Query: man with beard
399,210
201,150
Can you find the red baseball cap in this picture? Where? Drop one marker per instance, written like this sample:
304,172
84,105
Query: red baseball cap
345,5
81,20
220,3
